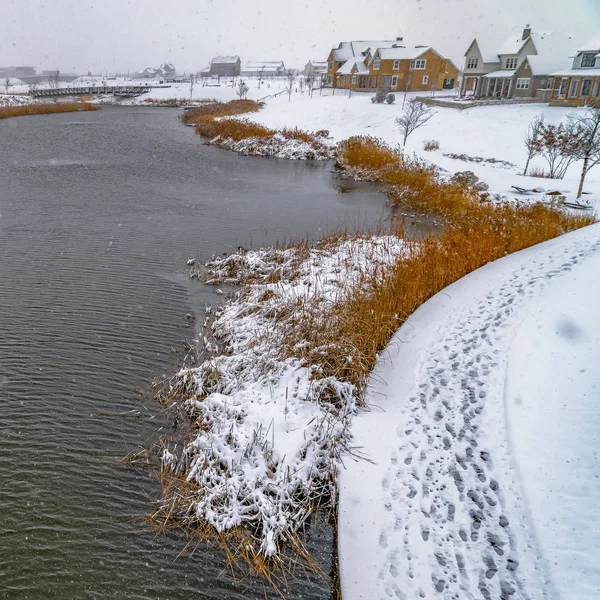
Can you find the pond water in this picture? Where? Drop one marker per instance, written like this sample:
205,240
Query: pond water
99,212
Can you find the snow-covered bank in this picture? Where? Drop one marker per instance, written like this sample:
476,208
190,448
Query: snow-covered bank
441,509
269,427
277,146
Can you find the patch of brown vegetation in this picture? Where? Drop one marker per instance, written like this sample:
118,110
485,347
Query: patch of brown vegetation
45,109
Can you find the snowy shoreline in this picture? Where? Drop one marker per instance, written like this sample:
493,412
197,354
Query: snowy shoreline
439,510
271,428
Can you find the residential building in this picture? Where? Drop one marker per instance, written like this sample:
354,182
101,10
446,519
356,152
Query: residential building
165,72
580,84
17,72
268,68
224,66
314,69
519,68
373,65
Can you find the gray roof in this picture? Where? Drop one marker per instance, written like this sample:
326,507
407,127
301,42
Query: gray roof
225,59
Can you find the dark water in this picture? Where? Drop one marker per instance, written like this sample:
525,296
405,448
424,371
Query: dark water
98,214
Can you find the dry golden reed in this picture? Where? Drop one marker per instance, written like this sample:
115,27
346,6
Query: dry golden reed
45,109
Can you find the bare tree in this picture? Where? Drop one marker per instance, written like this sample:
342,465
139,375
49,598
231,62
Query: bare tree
290,77
54,79
415,115
531,138
7,84
33,86
406,89
310,83
261,74
242,89
559,146
587,134
192,84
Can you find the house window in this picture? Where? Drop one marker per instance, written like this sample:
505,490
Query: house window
563,86
511,63
376,65
418,64
585,88
353,79
588,60
472,63
425,79
394,81
396,65
523,83
331,66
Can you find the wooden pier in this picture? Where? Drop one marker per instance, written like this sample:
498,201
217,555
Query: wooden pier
94,90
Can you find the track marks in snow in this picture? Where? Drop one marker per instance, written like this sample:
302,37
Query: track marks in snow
459,526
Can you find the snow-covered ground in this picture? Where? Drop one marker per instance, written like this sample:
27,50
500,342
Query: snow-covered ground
482,440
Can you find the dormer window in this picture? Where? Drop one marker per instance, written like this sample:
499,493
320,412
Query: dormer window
511,63
588,60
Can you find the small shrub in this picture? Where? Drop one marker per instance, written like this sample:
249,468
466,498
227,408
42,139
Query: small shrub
539,172
390,98
469,180
380,96
322,133
430,145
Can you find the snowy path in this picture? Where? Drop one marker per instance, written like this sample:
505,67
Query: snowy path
439,511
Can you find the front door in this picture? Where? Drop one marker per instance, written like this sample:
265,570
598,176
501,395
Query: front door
386,82
573,88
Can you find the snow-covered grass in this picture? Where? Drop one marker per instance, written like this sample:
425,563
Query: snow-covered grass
456,499
270,426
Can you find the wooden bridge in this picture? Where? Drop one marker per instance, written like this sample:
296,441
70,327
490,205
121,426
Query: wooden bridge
94,90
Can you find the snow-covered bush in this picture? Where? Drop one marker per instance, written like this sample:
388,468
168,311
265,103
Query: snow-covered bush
469,180
430,145
390,98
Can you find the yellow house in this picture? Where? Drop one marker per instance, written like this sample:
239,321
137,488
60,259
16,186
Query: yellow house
393,66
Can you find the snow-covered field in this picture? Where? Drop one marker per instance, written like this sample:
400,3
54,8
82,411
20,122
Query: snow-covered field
482,440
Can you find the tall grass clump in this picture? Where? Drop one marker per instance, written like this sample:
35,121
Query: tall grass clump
45,109
215,110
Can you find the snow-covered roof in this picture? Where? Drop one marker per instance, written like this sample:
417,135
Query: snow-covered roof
356,61
258,64
500,74
225,60
553,49
592,45
513,44
318,64
402,53
487,53
347,50
577,73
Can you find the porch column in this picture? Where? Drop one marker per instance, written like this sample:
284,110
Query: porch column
510,84
553,87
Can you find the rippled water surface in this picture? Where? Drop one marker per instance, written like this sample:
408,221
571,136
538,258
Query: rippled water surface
98,214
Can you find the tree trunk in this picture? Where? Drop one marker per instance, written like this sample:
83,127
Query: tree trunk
586,161
527,165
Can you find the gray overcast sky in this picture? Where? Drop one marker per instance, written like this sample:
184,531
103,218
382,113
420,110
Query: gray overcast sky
100,35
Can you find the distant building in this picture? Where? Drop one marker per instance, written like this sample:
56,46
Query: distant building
579,84
223,66
386,64
17,72
314,69
256,68
166,72
519,68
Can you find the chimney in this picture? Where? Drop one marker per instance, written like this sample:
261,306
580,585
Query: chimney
526,32
399,39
